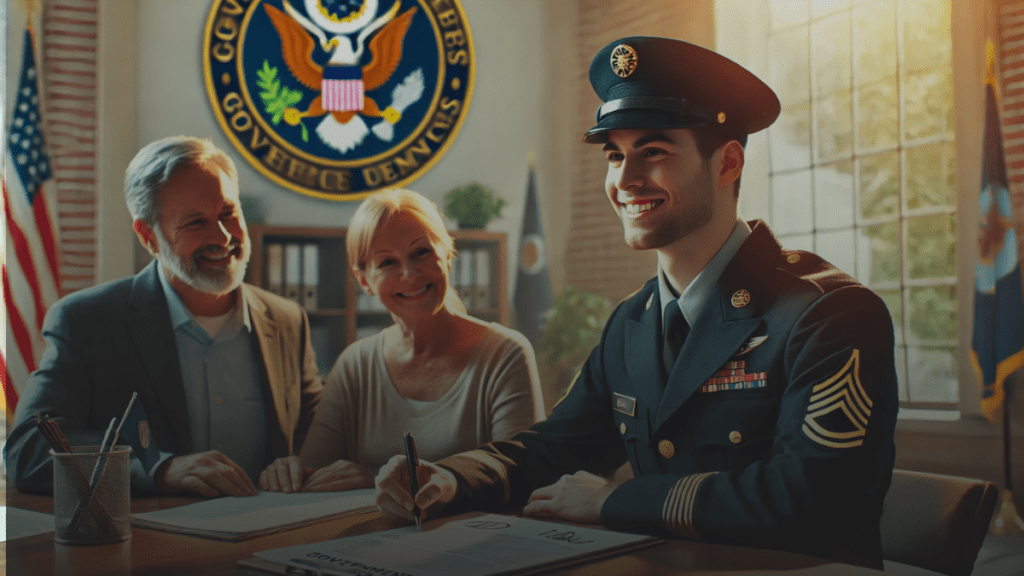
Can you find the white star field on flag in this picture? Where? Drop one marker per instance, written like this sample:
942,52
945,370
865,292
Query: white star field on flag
26,139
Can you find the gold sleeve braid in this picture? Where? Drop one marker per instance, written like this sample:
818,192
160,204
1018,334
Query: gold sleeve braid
677,512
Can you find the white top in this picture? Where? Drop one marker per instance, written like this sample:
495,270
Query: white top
362,416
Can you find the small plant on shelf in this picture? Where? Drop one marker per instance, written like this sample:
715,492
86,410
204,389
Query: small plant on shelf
473,205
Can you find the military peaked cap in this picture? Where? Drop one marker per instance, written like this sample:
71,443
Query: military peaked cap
648,82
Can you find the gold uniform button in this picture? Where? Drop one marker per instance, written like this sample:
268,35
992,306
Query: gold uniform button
740,298
217,401
735,437
793,258
666,449
622,428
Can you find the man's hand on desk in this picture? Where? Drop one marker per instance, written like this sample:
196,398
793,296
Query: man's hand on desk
437,486
206,473
577,498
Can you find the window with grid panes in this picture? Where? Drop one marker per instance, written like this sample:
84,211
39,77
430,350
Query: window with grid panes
862,164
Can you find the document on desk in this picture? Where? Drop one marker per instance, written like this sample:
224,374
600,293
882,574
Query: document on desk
19,523
235,519
490,545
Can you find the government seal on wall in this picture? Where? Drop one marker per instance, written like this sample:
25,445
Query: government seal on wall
339,98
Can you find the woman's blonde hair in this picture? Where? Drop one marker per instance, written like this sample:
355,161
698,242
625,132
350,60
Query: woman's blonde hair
377,209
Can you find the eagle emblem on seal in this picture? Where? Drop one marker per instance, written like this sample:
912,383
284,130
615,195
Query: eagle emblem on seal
337,99
342,82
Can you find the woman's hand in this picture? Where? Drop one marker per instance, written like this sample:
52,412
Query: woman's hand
342,475
437,486
284,475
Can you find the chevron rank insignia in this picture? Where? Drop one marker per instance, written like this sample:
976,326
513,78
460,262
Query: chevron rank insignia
839,408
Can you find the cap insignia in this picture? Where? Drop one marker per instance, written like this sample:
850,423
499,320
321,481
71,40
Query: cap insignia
624,60
721,117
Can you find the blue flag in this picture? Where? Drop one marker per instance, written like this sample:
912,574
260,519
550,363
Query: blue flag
998,339
533,298
136,433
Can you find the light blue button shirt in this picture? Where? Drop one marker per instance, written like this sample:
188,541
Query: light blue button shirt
703,285
223,384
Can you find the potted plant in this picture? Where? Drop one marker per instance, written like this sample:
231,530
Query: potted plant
572,330
472,205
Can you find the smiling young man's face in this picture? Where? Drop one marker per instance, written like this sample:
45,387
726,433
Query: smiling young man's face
658,183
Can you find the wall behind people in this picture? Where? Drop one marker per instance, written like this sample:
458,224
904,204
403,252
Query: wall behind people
506,117
151,85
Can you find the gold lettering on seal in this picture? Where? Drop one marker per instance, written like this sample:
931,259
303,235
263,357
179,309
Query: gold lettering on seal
339,180
407,161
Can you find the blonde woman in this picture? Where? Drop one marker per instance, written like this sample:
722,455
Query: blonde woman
452,380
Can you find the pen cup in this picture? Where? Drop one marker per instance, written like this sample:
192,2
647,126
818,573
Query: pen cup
91,496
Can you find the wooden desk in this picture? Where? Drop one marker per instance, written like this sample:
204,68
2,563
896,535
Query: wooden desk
152,552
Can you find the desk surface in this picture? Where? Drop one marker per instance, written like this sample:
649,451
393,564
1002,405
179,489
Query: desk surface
154,552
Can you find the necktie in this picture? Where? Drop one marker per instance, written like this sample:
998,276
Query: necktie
676,330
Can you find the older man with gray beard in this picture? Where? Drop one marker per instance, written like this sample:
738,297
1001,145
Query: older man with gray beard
224,371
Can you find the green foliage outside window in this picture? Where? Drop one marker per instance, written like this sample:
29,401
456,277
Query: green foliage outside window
880,92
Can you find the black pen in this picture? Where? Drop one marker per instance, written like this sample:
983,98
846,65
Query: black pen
414,482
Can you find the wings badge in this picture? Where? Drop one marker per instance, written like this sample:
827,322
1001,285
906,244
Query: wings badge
839,409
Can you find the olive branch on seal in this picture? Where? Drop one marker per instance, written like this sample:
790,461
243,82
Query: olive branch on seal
277,98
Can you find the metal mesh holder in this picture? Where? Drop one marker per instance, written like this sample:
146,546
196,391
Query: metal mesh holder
91,496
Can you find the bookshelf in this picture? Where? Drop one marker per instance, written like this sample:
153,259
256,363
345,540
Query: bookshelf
310,265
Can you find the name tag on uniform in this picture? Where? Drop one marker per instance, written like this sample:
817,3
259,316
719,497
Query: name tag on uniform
625,404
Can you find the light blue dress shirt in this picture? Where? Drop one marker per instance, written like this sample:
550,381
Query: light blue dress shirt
703,285
223,384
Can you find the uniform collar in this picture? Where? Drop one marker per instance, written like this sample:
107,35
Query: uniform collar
696,294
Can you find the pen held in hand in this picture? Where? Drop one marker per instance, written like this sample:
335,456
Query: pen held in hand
414,483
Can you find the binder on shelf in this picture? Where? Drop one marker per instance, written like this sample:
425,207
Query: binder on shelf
466,265
293,272
482,284
310,275
275,268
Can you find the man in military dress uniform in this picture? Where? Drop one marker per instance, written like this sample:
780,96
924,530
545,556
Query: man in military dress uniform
752,389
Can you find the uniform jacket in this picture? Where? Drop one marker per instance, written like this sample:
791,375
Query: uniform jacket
774,428
106,342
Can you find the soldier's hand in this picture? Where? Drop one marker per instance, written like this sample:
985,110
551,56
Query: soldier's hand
437,486
577,498
205,473
342,475
284,475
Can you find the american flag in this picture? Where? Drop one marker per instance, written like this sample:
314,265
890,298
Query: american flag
342,88
30,274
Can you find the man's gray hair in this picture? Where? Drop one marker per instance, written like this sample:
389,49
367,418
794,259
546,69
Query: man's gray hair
157,162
